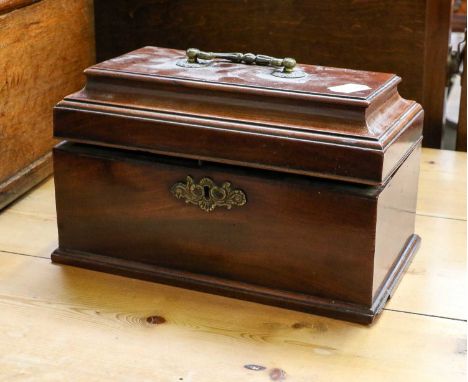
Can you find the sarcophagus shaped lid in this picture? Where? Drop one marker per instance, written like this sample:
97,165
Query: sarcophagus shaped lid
312,120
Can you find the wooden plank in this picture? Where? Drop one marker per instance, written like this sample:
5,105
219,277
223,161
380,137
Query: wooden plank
442,184
40,201
44,48
28,177
30,234
435,282
64,323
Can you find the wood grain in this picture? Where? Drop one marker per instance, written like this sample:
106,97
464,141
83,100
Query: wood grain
441,193
435,282
240,114
10,5
406,37
284,222
40,201
125,329
28,233
23,180
442,184
44,48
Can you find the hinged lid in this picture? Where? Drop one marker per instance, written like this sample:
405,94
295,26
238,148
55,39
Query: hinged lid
332,123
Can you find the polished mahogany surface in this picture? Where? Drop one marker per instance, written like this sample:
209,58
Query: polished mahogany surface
298,242
241,114
162,62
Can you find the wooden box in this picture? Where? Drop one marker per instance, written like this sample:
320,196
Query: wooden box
44,47
296,189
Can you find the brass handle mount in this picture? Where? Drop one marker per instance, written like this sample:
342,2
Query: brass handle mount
288,64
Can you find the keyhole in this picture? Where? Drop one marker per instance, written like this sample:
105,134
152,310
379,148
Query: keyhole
206,192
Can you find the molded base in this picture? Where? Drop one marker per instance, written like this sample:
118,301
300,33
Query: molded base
284,299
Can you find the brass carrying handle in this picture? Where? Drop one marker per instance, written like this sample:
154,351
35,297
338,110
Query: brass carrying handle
287,63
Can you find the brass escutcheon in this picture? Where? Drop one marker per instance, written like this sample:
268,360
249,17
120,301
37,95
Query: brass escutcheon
207,195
